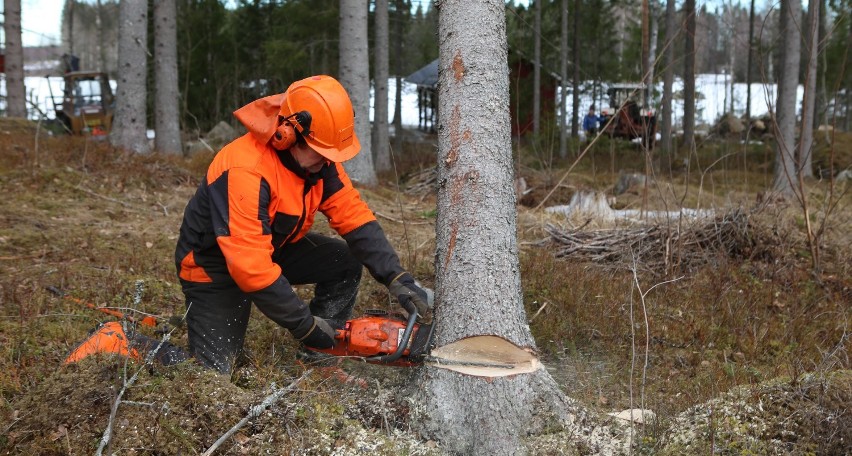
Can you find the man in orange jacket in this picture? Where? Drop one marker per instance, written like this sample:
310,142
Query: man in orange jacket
245,234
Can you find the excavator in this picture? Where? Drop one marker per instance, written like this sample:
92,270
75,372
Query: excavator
87,103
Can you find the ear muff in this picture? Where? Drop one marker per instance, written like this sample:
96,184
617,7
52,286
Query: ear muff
284,136
291,129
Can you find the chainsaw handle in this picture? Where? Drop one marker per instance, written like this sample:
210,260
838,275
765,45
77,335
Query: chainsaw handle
406,336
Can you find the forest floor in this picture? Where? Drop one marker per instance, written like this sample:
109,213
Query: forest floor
743,352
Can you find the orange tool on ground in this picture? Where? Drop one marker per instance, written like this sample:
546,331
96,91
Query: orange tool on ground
108,338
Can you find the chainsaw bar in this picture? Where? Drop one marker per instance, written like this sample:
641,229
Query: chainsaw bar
453,362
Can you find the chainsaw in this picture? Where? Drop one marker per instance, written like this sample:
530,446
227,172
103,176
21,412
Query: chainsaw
386,338
391,339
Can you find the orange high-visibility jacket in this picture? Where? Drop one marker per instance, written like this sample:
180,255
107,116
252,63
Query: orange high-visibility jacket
253,201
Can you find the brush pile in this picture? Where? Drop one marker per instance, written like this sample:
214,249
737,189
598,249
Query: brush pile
423,182
672,246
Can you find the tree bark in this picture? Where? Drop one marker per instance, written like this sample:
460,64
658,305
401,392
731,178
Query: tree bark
668,83
689,77
16,101
785,104
806,144
355,77
478,279
166,97
129,129
380,113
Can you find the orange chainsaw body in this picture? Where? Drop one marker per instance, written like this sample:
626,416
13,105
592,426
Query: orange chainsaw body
373,335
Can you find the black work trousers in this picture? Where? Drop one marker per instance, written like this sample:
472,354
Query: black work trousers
218,313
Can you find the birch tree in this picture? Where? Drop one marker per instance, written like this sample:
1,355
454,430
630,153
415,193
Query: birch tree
380,113
15,90
166,97
129,128
355,77
785,104
478,279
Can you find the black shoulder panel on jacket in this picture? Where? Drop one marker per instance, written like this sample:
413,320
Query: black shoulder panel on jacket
218,191
331,182
263,206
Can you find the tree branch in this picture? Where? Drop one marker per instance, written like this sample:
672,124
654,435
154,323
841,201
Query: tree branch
255,411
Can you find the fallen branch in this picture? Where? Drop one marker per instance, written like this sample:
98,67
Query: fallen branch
98,195
538,311
398,220
149,358
255,411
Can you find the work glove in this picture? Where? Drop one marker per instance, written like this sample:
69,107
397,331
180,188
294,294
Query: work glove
407,290
321,335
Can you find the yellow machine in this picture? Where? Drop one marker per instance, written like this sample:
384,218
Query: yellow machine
87,103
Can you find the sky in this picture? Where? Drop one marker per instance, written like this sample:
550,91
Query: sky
40,21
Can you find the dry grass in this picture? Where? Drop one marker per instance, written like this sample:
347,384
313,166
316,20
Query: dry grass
81,217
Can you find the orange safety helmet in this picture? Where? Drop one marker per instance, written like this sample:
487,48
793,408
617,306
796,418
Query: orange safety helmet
319,109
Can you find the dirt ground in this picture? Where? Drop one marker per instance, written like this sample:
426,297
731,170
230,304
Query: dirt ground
740,328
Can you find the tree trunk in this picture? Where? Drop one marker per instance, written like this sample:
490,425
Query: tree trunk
806,144
652,53
563,95
399,58
575,82
68,26
689,77
16,101
822,58
785,105
380,113
166,96
668,82
129,128
646,51
99,23
478,279
537,69
355,77
749,64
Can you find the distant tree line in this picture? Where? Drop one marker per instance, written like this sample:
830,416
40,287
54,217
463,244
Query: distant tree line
610,39
229,54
